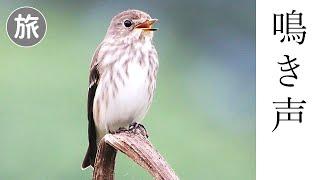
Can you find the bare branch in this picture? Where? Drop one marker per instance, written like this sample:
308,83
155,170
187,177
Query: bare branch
136,146
105,162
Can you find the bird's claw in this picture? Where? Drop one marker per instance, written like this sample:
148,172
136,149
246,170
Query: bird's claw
136,127
120,130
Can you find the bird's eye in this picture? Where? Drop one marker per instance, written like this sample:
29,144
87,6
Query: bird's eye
127,23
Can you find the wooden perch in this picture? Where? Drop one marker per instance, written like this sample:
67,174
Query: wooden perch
135,145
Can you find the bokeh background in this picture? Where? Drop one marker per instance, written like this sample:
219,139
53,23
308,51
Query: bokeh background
203,115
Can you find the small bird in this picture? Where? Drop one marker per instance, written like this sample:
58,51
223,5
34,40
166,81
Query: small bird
122,78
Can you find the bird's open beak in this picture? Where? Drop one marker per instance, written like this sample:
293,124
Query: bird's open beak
147,25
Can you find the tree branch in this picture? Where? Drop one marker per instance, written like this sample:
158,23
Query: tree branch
135,145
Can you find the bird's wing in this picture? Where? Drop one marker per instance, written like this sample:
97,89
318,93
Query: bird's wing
92,136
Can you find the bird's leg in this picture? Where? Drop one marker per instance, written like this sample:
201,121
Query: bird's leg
135,127
122,129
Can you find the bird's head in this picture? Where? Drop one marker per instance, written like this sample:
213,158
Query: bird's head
130,26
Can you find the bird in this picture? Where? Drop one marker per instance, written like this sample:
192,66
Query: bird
122,78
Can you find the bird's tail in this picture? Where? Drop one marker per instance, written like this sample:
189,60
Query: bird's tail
89,159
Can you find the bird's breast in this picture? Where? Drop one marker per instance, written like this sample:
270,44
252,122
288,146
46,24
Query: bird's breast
125,91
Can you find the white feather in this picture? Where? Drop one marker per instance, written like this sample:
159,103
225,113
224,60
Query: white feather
132,100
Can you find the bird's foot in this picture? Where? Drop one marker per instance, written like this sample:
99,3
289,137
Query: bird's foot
136,127
120,130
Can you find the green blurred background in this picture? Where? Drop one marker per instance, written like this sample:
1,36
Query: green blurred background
203,115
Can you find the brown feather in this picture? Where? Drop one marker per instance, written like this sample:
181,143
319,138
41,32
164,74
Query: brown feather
92,136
